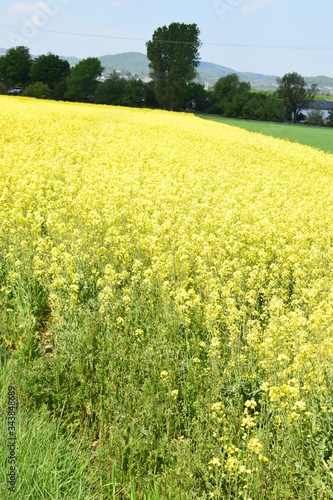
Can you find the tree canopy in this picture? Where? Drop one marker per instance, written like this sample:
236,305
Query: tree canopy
82,80
49,69
173,53
294,92
15,66
120,91
111,90
235,99
230,95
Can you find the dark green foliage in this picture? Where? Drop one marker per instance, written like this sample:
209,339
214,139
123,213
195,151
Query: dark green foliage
234,99
294,93
18,68
59,90
111,91
254,109
134,95
329,121
274,108
230,95
150,99
49,69
119,91
15,66
264,107
82,80
3,88
197,95
39,90
174,56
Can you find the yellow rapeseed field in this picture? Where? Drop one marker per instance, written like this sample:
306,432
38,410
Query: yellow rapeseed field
206,247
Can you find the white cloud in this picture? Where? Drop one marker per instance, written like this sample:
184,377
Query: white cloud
37,13
27,8
253,5
116,4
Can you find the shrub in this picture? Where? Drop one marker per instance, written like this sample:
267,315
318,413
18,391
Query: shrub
315,117
329,121
39,90
3,88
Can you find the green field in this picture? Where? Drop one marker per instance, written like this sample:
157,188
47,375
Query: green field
316,137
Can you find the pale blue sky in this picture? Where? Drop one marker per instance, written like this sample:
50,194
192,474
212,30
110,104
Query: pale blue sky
263,23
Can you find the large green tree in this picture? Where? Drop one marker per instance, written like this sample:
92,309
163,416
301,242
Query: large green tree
49,69
294,93
15,66
173,53
82,80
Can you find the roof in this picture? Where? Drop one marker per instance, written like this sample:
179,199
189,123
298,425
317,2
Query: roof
324,105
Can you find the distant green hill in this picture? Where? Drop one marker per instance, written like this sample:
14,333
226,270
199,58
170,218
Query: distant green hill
133,62
71,59
320,80
136,62
210,72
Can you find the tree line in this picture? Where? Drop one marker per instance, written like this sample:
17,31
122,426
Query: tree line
173,53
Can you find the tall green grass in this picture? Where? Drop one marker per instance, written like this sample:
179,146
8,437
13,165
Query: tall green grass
49,464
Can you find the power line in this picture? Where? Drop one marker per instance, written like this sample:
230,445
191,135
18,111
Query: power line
72,33
217,44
